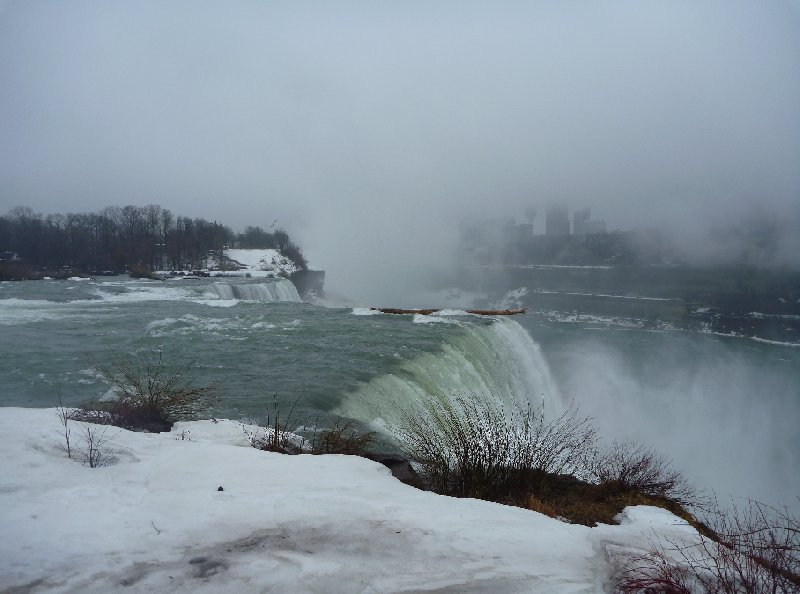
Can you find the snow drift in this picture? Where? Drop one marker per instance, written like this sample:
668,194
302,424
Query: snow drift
155,520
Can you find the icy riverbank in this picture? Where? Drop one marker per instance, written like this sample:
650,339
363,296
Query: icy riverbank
154,520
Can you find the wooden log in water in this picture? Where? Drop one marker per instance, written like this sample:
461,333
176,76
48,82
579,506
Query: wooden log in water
427,312
395,310
498,312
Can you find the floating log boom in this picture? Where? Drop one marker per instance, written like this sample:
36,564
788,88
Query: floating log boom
427,312
498,312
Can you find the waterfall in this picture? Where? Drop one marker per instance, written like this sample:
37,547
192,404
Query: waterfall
496,360
270,292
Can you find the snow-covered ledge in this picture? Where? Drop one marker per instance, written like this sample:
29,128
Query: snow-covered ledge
154,520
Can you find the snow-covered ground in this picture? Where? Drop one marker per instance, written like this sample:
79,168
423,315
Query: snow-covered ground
264,260
257,263
153,520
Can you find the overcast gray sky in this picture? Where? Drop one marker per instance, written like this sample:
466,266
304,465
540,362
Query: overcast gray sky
368,128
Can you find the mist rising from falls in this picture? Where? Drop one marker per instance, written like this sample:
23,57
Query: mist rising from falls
270,292
726,412
494,360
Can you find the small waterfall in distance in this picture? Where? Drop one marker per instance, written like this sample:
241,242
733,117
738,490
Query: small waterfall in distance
493,361
269,292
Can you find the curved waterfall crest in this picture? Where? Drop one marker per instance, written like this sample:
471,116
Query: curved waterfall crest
270,292
499,360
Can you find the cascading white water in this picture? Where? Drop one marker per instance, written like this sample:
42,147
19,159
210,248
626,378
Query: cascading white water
277,290
496,360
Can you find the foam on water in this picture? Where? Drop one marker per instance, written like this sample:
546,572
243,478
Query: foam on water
216,302
233,328
25,311
365,311
706,329
421,319
452,312
775,342
590,319
134,293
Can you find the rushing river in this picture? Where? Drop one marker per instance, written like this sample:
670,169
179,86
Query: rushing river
726,409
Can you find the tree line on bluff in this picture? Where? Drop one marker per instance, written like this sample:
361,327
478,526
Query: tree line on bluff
119,239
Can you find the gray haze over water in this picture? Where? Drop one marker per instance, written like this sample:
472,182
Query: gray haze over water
369,129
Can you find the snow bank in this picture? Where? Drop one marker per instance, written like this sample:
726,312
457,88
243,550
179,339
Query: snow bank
264,260
154,521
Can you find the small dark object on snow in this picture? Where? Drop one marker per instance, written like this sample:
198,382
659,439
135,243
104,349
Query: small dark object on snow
220,488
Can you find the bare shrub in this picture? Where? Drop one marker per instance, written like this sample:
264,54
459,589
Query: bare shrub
543,507
66,431
152,393
92,413
755,547
473,447
279,433
656,572
629,466
564,445
342,438
270,439
94,438
750,549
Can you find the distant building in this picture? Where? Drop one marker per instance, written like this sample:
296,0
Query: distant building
594,227
530,214
516,232
583,225
579,219
556,220
523,232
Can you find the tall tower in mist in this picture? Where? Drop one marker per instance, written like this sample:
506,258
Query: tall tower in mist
557,220
530,214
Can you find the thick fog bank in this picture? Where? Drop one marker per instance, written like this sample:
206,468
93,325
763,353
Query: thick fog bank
369,129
